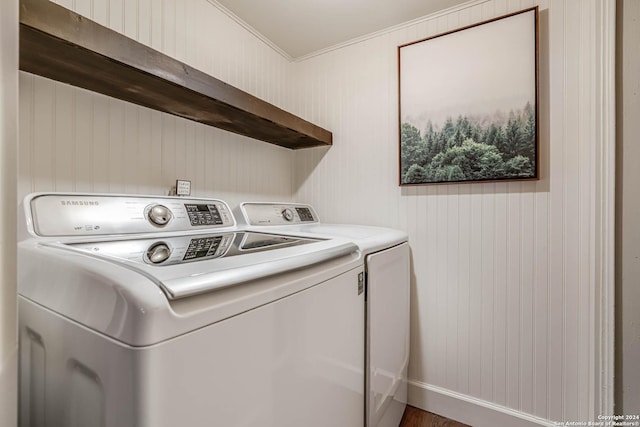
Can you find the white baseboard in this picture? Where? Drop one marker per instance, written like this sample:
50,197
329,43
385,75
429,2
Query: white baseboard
468,410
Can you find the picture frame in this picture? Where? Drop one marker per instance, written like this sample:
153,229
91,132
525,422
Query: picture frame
468,103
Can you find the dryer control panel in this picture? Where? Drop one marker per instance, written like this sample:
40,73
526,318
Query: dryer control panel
278,213
88,215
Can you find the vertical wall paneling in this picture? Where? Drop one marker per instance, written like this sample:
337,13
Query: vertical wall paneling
527,276
43,125
475,343
64,150
116,15
100,143
451,261
156,20
513,299
169,28
487,285
441,273
117,145
99,11
464,288
144,145
131,150
586,160
8,186
168,147
75,140
130,19
541,304
501,285
26,146
82,132
504,275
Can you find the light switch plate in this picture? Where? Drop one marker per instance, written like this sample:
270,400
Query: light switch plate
183,188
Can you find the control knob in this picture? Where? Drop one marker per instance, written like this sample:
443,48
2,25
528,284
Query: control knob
287,214
158,253
159,215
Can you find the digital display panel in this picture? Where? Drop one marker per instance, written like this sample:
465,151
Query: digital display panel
203,214
304,214
202,247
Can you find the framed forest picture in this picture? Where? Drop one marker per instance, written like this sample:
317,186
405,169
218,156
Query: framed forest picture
469,103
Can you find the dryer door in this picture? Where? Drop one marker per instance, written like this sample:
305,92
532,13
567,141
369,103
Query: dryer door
387,335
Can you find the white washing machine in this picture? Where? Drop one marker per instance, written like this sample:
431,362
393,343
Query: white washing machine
385,255
160,312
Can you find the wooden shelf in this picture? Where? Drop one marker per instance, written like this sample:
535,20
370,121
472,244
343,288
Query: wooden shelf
61,45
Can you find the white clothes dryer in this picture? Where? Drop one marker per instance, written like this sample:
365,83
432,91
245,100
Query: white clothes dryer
145,311
385,258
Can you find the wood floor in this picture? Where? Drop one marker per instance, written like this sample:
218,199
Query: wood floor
414,417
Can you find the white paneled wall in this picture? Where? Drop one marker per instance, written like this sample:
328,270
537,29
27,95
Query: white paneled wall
8,174
509,298
504,311
198,33
76,140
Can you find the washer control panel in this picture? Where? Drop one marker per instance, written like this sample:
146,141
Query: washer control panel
204,214
87,215
203,247
278,213
179,249
161,252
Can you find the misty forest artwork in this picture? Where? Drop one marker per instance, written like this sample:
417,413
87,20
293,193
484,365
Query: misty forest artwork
468,104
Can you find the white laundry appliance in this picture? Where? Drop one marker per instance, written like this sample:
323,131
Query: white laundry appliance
385,255
144,311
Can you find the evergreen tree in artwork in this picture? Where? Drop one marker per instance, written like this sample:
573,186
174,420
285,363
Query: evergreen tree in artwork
415,175
502,146
519,167
413,148
513,138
